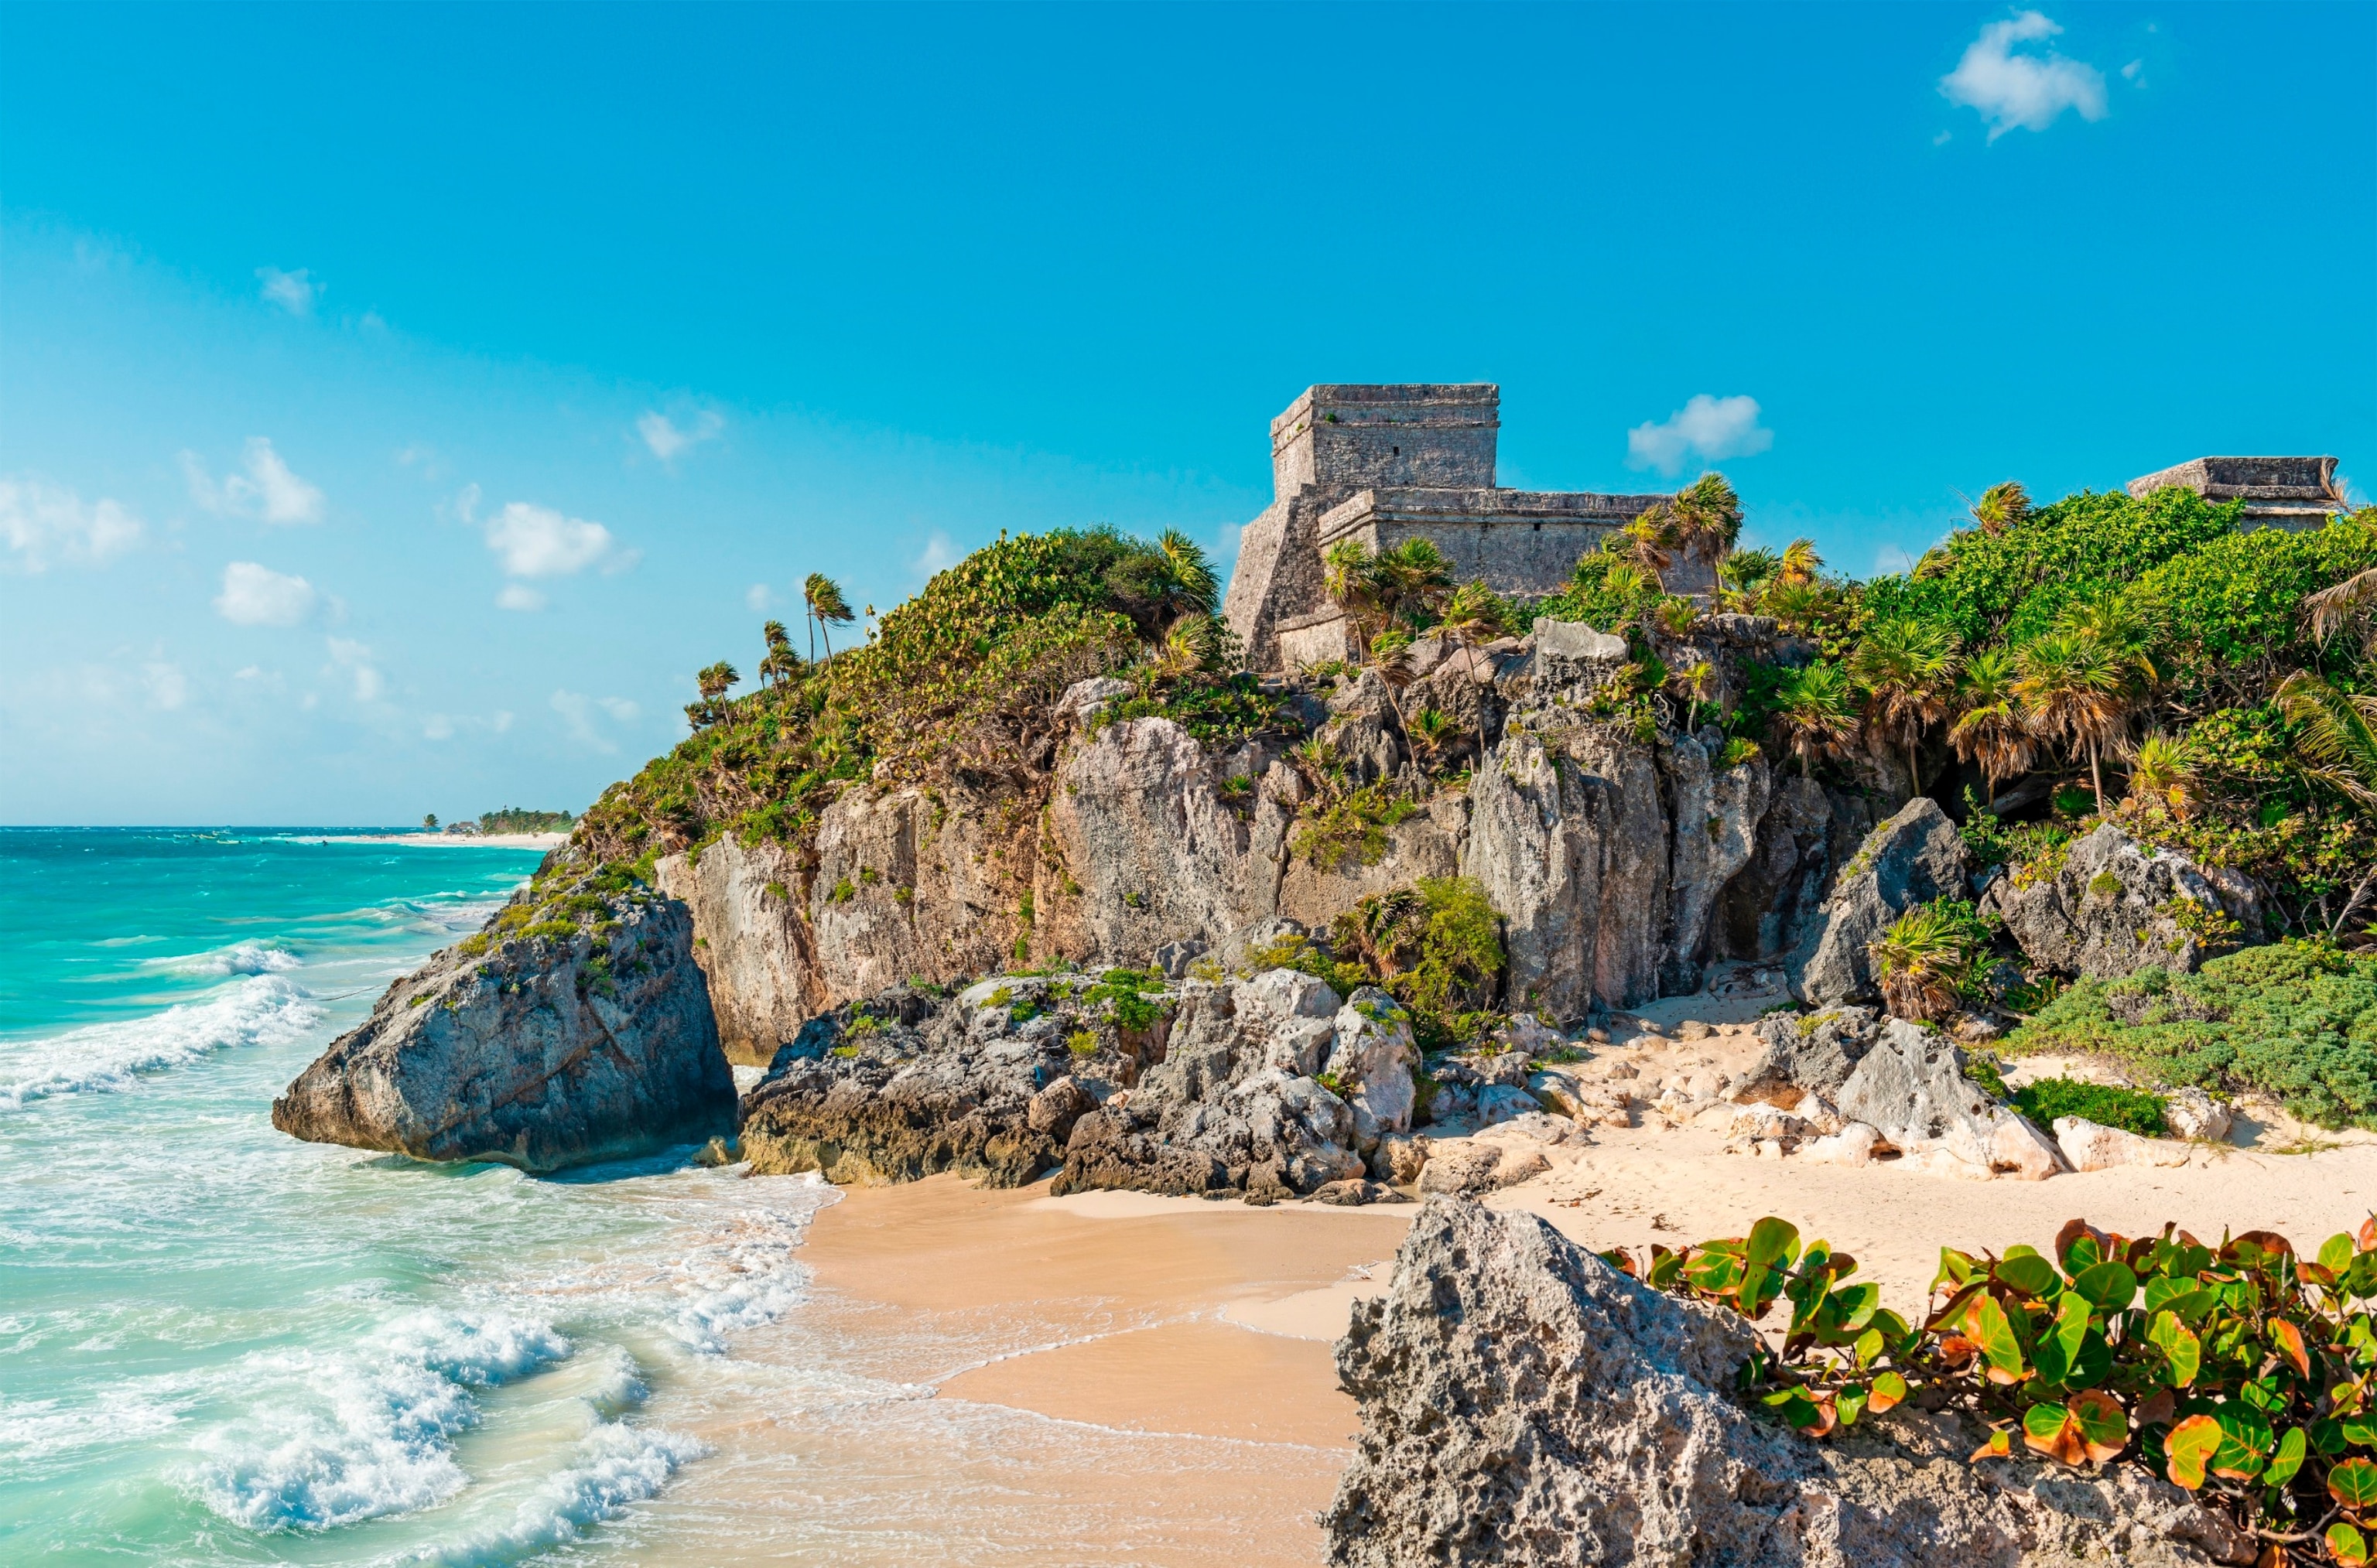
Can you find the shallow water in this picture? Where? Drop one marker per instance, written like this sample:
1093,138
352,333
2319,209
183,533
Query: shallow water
218,1345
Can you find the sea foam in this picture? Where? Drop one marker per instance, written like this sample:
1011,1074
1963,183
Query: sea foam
356,1435
615,1466
261,1010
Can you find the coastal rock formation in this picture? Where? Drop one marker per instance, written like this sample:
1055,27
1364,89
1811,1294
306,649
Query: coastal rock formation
1525,1403
1910,1088
1268,1086
575,1040
2115,907
1913,859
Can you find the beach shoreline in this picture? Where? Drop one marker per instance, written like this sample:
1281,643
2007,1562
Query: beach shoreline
447,840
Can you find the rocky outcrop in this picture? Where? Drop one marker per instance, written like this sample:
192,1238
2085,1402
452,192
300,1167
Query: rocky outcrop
1523,1403
1808,1053
576,1039
1267,1087
2115,907
1910,1088
1912,858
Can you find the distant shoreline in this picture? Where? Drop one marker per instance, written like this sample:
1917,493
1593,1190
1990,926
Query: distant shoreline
447,840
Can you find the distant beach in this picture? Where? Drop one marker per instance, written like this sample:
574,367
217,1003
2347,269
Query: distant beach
447,840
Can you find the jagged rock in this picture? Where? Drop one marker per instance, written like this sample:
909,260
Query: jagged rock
2192,1113
1372,1058
1806,1053
750,942
1717,812
2088,1147
1528,1035
1913,859
1523,1403
1910,1087
1351,1193
1083,700
1398,1159
1854,1145
2115,907
1175,958
1575,640
1773,902
1498,1102
538,1052
1055,1108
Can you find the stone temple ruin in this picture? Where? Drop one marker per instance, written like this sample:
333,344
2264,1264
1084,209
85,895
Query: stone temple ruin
1384,464
2278,493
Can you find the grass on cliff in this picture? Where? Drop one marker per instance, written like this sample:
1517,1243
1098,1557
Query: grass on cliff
1435,946
2296,1021
952,691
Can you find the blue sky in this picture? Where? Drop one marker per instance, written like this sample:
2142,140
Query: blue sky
398,404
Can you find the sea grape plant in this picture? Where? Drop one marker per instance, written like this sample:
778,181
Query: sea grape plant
2243,1372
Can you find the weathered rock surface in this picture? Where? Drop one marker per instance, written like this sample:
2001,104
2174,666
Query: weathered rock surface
1809,1053
1913,859
538,1052
2088,1147
1523,1403
2192,1113
1910,1088
2116,907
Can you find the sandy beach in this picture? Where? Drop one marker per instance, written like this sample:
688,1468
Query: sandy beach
453,841
1117,1378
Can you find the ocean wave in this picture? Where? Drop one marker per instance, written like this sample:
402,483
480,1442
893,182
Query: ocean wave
746,1275
617,1464
33,1430
363,1436
242,958
260,1010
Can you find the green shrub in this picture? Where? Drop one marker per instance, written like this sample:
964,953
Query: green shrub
2297,1021
2108,1105
1352,827
1081,1042
1932,958
2236,1371
1436,947
1124,995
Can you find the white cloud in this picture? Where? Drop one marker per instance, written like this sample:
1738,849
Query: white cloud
1707,427
42,522
2022,91
268,489
537,541
438,726
517,595
759,597
2134,71
355,659
254,595
940,554
292,292
666,439
621,709
577,711
168,687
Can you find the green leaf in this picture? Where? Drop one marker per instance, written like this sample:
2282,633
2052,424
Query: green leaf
1773,1241
2336,1253
2362,1429
1868,1345
1994,1334
1889,1389
2291,1450
2347,1544
2031,1275
1955,1268
2178,1345
2188,1446
2059,1347
2245,1445
2102,1424
2043,1427
2353,1483
2111,1285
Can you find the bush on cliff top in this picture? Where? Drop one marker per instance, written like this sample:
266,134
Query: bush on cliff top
2297,1021
2242,1372
953,689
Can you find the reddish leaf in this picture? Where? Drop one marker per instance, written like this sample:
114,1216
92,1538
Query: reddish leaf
2347,1544
2289,1342
2050,1429
1999,1446
1889,1389
2102,1428
2188,1446
2369,1234
2157,1408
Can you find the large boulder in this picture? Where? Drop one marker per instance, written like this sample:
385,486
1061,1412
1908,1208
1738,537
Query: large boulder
1371,1060
1912,858
1910,1087
1523,1403
1806,1053
1716,811
2115,907
577,1027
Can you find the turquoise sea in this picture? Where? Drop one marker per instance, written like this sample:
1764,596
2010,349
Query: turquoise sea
218,1345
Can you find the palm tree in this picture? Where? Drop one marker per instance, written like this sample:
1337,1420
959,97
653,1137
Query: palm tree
1431,729
1475,616
1415,578
1350,577
1193,585
782,662
2130,638
2336,740
1706,518
1799,566
826,608
1817,704
2162,773
716,680
1907,668
2001,507
1649,540
1991,732
1742,574
1187,648
1698,684
2072,690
